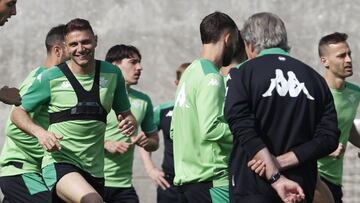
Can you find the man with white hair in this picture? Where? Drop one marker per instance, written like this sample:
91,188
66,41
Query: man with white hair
282,117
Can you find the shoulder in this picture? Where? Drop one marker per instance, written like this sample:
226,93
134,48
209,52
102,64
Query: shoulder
166,105
353,87
49,74
106,67
139,95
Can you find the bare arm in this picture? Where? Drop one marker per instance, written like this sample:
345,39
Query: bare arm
23,121
156,174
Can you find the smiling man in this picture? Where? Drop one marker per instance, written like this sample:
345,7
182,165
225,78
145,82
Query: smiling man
79,94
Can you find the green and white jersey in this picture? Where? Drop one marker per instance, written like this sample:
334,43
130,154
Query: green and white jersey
202,139
83,140
118,167
346,104
20,147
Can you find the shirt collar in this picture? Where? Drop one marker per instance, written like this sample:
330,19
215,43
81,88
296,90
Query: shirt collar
273,51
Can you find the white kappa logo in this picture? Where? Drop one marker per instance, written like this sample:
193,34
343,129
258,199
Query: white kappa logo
181,97
283,86
65,85
214,82
169,113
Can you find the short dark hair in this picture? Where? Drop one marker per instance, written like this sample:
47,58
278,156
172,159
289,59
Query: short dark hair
214,25
54,36
119,52
78,24
333,38
239,52
181,69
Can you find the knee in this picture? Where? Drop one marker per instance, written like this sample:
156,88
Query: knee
92,198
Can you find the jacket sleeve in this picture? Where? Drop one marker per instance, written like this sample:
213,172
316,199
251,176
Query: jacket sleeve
238,114
326,138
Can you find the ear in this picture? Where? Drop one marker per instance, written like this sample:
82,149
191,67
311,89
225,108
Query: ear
324,61
176,82
250,50
227,37
57,51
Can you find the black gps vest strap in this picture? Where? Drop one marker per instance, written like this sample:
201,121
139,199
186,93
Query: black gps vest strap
88,107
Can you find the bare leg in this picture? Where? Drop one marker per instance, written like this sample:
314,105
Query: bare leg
322,192
73,188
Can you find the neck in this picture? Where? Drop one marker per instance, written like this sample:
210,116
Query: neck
213,53
79,70
50,61
334,82
226,69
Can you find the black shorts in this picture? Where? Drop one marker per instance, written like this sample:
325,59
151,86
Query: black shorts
120,195
336,190
203,192
171,194
28,187
54,172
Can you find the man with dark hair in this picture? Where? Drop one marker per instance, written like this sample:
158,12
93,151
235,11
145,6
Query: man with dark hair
79,94
21,156
201,137
292,119
119,154
335,55
238,58
8,95
164,177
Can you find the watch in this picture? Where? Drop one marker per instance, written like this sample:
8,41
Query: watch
274,178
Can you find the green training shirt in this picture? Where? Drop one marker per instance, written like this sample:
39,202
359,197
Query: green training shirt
20,147
346,104
202,139
83,140
118,167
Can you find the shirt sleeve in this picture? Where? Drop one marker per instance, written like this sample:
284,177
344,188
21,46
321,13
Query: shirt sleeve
157,111
209,105
326,138
239,116
121,101
148,124
37,94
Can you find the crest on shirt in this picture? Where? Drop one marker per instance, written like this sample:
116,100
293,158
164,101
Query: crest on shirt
136,104
65,85
103,82
352,98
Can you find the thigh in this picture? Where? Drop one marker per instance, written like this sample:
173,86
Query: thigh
336,190
60,178
121,195
171,194
322,192
82,191
28,187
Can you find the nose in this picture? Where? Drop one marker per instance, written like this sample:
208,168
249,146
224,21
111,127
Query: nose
80,47
138,66
348,58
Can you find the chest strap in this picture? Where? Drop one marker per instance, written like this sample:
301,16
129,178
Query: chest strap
89,105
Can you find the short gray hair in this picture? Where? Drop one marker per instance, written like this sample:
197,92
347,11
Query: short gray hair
265,30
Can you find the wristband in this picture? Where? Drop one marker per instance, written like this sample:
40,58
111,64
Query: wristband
274,178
